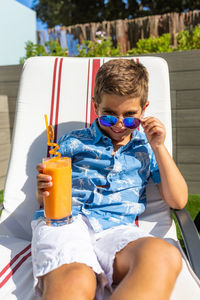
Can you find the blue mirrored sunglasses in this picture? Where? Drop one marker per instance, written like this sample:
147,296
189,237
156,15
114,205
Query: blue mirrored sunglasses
109,121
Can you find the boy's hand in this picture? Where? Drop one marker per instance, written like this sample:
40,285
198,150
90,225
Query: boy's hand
155,131
43,183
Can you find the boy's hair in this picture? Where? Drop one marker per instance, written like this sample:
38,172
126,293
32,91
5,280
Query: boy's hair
122,77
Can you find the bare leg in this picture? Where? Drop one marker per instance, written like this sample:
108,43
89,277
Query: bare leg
71,281
146,269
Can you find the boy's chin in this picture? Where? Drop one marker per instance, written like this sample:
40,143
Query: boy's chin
116,136
119,137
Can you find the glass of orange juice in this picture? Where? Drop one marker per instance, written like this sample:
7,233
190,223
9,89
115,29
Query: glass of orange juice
58,205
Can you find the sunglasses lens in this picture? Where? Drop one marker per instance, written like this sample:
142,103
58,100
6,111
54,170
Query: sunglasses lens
108,120
131,122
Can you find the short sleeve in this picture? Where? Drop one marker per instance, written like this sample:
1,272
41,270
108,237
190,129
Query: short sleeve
154,170
64,146
70,144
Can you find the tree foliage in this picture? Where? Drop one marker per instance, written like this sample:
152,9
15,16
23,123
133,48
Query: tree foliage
70,12
115,9
153,7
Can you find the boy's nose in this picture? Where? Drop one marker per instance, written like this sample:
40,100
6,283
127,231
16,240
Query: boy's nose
120,122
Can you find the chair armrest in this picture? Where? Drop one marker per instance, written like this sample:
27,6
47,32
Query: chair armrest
190,237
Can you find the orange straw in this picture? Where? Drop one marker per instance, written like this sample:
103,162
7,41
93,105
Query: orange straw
50,136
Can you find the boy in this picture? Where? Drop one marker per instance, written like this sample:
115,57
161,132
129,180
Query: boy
111,165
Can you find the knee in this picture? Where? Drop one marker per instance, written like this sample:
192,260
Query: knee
81,275
67,278
163,254
174,258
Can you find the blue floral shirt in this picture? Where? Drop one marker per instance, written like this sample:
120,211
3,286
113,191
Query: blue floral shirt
123,175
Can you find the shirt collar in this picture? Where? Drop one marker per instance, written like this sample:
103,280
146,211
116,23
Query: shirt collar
139,136
97,134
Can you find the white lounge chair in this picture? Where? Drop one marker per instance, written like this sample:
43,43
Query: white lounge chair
62,88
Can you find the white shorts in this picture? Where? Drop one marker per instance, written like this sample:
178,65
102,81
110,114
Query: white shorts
53,247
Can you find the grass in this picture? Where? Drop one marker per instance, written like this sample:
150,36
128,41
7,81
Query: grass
193,207
1,199
1,196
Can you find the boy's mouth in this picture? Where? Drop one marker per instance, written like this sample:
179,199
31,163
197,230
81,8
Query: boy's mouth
118,130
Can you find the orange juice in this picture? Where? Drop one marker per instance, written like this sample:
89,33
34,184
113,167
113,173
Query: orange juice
58,204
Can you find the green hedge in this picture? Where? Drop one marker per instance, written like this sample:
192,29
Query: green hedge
1,196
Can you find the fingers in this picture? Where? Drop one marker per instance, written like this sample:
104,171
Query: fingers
152,125
40,168
146,122
44,182
155,131
44,178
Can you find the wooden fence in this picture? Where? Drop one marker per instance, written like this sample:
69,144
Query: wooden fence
184,70
9,82
126,32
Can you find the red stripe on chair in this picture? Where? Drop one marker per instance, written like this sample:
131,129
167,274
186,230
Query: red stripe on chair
53,91
14,259
95,67
58,100
14,269
88,79
52,97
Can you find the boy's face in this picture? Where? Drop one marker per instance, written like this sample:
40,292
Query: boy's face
120,106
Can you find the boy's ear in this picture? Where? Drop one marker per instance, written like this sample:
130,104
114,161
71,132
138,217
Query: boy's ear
95,106
144,108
